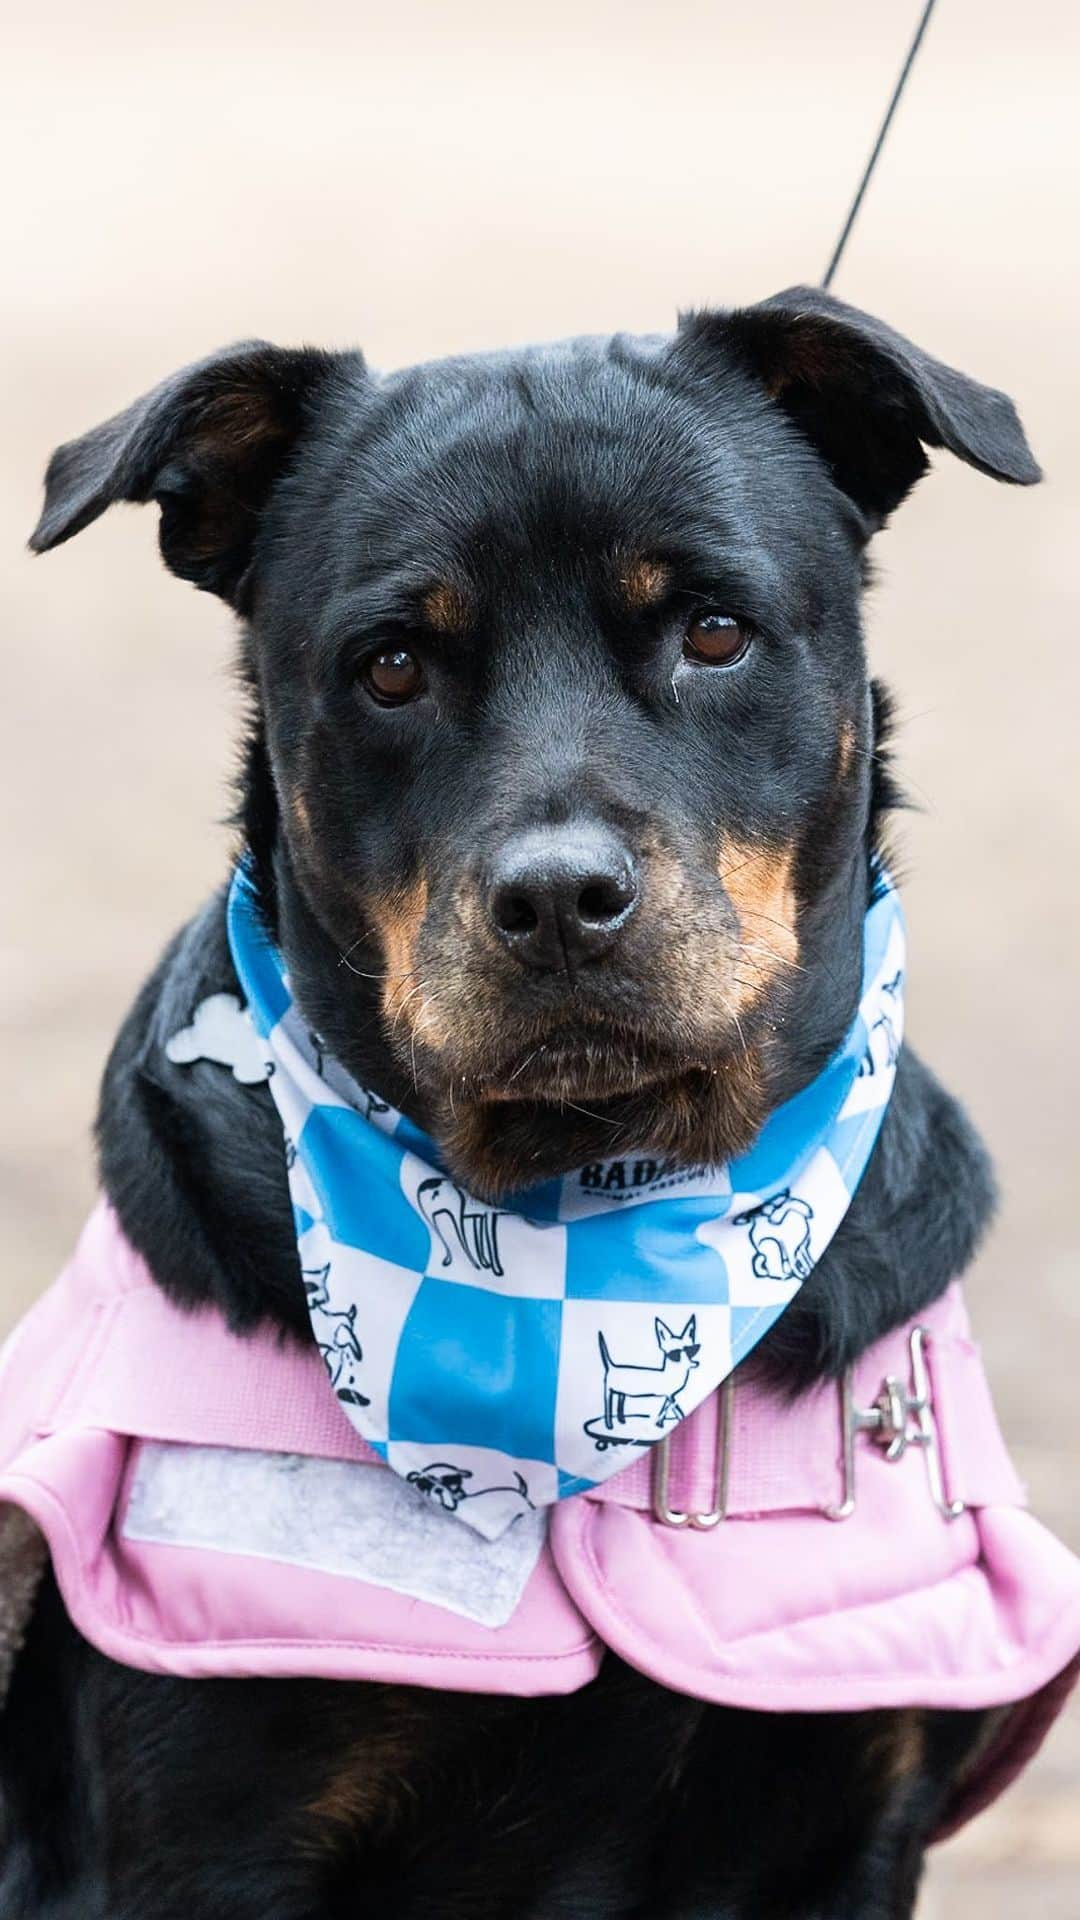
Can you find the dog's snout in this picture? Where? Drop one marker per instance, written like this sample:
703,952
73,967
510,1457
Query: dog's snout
561,896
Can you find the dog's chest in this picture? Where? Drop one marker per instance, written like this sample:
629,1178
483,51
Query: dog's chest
210,1511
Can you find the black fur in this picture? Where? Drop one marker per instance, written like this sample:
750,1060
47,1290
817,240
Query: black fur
618,1800
538,529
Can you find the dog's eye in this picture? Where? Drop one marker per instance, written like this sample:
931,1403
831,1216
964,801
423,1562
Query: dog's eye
393,676
715,639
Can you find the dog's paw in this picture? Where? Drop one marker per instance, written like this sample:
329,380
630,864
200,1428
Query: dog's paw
222,1031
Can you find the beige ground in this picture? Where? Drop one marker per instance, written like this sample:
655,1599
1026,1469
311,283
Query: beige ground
472,174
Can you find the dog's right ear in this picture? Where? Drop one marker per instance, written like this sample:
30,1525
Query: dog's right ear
868,400
207,445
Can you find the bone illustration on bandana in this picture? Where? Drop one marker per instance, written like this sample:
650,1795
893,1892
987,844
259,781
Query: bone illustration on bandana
500,1358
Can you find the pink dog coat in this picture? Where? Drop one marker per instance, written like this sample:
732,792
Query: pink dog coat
210,1511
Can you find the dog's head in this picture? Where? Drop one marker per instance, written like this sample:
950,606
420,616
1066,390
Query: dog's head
563,771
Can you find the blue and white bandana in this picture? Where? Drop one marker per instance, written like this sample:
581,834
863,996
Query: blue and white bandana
503,1357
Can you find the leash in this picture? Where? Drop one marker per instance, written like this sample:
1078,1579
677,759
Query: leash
875,153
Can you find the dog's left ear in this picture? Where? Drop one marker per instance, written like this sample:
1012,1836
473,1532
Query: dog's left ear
207,445
867,399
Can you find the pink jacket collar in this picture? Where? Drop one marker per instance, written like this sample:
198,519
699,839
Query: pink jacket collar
129,1430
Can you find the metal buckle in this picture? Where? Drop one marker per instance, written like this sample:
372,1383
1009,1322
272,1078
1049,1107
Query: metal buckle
669,1516
888,1422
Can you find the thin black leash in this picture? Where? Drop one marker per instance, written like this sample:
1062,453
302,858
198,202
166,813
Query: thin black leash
853,211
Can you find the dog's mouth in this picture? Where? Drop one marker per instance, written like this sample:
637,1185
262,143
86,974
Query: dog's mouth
564,1068
563,1099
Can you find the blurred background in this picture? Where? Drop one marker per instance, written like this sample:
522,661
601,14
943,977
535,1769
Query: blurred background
425,179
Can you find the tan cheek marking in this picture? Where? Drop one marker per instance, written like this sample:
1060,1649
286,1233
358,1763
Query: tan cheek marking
398,920
845,750
758,881
644,583
446,608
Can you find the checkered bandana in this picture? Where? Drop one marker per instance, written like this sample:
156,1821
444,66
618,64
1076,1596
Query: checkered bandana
500,1358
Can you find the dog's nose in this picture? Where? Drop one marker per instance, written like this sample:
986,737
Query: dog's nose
561,896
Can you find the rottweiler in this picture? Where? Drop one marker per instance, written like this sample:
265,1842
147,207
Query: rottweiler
563,789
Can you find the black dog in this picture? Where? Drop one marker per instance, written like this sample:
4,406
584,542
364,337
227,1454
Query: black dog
562,785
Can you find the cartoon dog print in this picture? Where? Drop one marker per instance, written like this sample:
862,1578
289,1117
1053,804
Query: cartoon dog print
453,1215
445,1484
780,1236
644,1385
882,1041
335,1335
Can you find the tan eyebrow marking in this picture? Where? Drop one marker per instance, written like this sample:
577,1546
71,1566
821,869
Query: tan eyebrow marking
447,608
644,582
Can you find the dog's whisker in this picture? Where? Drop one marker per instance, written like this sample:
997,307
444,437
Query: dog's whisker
361,974
414,1032
527,1062
404,1001
343,958
750,947
601,1118
724,874
754,913
742,1037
